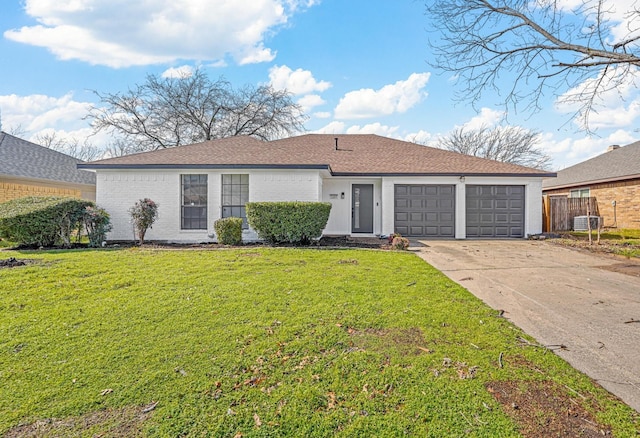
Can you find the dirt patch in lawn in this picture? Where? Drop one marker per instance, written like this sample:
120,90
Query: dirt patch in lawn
12,262
406,341
110,422
542,408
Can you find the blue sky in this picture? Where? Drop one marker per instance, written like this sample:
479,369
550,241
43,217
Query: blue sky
357,66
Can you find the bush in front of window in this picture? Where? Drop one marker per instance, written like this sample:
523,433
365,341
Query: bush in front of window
229,230
42,220
288,222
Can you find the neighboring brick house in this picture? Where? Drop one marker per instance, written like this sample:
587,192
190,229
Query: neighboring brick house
613,178
27,169
376,185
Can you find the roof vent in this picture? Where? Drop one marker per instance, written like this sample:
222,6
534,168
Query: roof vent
613,147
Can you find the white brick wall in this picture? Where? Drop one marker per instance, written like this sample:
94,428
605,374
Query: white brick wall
118,190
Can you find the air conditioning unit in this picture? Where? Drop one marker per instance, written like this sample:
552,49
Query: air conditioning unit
580,223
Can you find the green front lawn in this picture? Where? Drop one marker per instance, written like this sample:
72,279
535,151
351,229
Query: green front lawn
270,342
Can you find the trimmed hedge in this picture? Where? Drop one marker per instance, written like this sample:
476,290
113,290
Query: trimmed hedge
42,221
288,222
229,230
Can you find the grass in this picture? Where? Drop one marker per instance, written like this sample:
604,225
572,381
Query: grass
624,242
261,342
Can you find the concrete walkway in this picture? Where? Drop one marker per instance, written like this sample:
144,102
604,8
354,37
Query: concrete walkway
558,296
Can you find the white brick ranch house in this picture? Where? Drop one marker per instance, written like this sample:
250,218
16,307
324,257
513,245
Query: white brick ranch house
376,185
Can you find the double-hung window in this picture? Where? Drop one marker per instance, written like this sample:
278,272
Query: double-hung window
580,193
194,202
235,194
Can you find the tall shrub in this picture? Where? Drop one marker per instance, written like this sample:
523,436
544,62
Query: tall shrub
288,222
143,214
42,221
97,223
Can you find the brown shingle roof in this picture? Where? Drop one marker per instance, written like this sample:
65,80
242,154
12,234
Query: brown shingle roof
361,154
618,164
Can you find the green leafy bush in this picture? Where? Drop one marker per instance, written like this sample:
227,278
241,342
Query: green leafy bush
229,230
42,221
288,222
98,224
143,214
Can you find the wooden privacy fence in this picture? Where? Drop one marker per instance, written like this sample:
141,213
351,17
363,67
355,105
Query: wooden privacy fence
558,211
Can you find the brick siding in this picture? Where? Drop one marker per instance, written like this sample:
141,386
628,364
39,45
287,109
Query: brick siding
9,191
627,197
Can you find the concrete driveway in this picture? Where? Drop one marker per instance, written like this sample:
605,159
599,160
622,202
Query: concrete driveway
560,297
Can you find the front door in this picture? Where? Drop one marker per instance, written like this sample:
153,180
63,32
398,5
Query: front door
362,208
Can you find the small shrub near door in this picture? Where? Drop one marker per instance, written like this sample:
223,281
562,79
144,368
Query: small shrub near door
398,243
288,222
229,230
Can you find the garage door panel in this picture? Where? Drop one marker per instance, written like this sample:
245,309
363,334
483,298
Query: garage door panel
424,210
447,217
495,211
402,203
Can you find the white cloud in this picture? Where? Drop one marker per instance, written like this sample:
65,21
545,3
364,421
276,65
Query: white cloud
322,114
420,137
332,128
568,151
184,71
486,118
152,32
617,106
394,98
296,82
374,128
38,114
310,101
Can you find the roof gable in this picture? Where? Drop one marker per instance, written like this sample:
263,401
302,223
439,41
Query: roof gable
355,154
23,159
618,164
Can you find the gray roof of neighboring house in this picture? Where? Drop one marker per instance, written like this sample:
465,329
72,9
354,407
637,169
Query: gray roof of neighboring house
618,164
23,159
356,154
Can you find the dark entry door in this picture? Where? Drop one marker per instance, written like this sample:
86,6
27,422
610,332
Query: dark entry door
362,208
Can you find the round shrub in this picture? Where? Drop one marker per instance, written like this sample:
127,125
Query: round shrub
229,230
288,222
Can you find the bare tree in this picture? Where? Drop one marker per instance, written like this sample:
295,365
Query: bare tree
82,150
573,52
510,144
167,112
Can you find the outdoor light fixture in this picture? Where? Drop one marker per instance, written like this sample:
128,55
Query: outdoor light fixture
462,178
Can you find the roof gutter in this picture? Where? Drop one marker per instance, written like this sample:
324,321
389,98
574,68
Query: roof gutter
595,181
89,166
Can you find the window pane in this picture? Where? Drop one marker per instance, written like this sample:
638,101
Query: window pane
194,202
